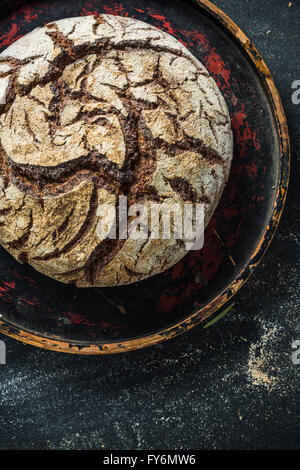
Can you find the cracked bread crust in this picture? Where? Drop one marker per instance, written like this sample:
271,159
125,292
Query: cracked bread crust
94,108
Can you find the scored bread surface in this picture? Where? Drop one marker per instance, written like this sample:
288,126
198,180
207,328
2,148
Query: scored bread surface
93,109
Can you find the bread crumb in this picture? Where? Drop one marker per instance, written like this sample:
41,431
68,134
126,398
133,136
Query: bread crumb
260,360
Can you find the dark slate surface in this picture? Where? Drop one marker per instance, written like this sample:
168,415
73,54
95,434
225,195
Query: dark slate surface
232,386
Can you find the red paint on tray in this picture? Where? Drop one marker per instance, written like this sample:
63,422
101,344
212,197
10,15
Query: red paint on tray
11,36
115,10
177,270
29,13
251,170
216,66
5,291
11,284
168,300
165,23
85,12
80,319
77,318
244,133
32,302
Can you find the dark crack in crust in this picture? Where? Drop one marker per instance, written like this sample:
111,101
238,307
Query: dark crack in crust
143,119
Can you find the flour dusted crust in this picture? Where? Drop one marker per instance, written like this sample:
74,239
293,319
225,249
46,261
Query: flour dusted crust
91,109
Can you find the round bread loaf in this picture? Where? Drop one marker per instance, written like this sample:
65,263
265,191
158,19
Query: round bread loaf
94,108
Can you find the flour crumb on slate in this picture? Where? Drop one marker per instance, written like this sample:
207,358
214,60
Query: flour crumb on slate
261,357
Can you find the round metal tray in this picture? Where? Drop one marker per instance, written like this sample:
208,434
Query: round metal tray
43,312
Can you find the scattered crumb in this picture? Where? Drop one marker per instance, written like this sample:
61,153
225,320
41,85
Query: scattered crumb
260,360
121,309
232,260
225,247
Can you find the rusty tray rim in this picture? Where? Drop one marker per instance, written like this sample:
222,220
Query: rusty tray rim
56,344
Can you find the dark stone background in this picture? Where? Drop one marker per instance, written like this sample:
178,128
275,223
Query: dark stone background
232,386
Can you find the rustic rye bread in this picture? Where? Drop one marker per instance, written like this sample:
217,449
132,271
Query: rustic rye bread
94,108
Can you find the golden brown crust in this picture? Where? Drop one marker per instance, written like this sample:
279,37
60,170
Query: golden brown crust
93,108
